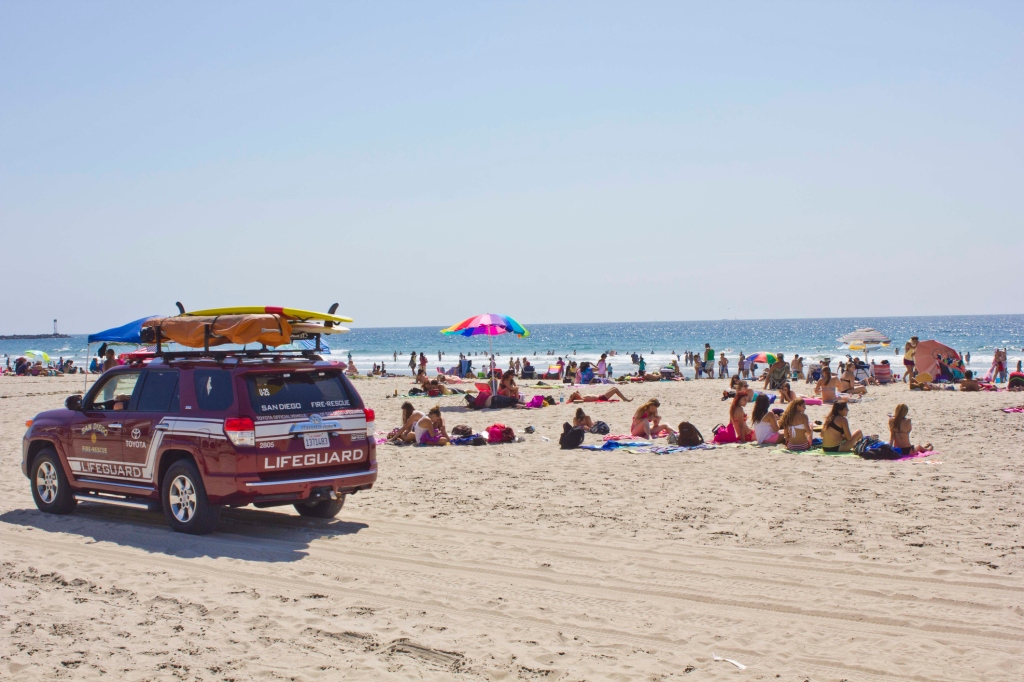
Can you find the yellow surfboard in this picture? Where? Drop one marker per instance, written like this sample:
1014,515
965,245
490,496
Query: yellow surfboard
294,313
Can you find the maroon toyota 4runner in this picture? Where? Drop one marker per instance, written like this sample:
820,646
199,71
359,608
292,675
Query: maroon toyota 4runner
193,433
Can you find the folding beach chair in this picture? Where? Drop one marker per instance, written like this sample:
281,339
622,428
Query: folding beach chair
554,372
883,373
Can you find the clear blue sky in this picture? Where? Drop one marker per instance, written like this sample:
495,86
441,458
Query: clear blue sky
421,162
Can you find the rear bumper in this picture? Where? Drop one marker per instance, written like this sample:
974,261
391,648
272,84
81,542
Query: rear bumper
297,487
344,480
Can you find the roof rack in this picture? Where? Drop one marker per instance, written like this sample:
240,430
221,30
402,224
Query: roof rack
262,352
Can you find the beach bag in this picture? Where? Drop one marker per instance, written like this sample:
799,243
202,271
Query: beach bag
600,428
689,436
571,438
723,435
462,430
536,401
495,433
872,448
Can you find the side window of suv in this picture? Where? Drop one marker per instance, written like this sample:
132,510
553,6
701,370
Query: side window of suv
159,392
115,393
214,389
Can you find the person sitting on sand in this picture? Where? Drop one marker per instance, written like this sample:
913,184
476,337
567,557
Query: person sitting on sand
577,397
777,373
647,421
430,430
835,432
508,386
766,423
827,385
786,394
848,383
410,416
899,433
795,426
582,420
738,418
969,383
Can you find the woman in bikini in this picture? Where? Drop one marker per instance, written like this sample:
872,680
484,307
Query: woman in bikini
582,419
899,433
577,397
835,433
410,416
766,424
795,426
508,386
738,418
430,430
786,394
647,421
848,382
827,385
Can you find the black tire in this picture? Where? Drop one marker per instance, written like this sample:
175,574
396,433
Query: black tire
184,500
324,509
50,488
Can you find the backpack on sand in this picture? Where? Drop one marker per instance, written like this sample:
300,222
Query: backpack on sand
689,436
571,438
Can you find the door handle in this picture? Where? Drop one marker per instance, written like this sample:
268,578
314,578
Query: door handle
115,425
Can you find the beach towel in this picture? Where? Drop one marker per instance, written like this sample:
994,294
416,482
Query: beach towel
616,445
621,436
667,449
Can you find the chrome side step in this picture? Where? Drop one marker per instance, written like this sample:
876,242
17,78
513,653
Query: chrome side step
115,501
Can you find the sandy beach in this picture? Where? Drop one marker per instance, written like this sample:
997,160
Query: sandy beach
522,561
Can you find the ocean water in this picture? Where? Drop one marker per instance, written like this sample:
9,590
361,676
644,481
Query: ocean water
813,338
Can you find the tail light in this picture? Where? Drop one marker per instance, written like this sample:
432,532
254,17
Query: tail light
240,431
370,418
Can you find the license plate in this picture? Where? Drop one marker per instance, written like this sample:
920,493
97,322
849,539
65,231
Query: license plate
313,441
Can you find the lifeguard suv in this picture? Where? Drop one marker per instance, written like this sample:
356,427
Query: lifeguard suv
193,432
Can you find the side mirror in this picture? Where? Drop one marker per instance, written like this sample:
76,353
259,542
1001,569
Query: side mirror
73,402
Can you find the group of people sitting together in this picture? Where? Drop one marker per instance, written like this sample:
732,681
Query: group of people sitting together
792,427
24,367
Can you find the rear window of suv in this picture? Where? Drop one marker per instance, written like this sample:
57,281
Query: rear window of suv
298,392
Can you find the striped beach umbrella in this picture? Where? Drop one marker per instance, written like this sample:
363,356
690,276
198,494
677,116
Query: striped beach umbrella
762,358
490,325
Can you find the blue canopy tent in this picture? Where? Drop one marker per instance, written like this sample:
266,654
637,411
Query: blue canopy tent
128,333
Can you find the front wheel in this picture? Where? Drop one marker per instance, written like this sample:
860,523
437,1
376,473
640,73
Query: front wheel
50,488
324,509
184,500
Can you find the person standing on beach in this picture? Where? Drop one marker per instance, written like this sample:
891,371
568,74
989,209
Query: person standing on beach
723,366
643,366
412,363
709,360
909,350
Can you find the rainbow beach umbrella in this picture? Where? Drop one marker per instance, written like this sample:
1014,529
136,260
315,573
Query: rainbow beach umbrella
762,358
491,325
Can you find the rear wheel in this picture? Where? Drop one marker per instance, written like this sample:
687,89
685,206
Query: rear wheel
50,488
184,500
324,509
